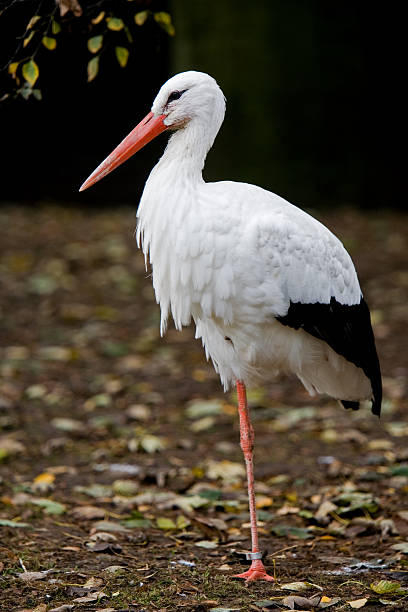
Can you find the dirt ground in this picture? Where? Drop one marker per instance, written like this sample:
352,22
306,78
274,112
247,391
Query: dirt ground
121,478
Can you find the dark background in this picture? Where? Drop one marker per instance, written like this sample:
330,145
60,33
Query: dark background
313,91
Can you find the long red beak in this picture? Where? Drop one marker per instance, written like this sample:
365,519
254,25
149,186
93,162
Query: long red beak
144,132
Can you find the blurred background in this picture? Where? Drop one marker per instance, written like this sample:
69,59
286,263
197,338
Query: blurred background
313,93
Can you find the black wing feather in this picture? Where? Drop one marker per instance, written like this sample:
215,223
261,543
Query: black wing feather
347,330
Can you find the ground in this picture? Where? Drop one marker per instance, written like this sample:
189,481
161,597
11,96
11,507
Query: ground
122,483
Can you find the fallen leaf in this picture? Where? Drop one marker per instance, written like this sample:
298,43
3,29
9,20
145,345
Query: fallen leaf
10,447
197,409
93,583
139,412
383,587
43,482
327,602
294,532
97,596
103,536
114,569
7,523
95,490
263,501
401,547
212,528
287,509
224,609
324,509
50,506
165,523
151,444
88,512
299,586
203,424
229,471
380,444
111,548
66,424
108,526
125,487
296,602
206,544
31,576
358,603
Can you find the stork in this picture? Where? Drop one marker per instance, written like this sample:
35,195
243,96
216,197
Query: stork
268,287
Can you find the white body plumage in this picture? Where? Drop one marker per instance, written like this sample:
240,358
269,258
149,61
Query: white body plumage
233,256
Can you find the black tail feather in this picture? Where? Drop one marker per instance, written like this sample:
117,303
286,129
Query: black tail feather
347,330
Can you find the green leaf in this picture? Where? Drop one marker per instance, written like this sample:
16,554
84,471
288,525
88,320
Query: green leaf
383,587
182,522
122,55
165,523
141,17
50,506
30,72
95,43
95,490
115,24
93,67
37,94
136,523
164,21
49,43
55,27
109,526
399,470
125,487
7,523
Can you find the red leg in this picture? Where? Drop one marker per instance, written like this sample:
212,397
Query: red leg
257,570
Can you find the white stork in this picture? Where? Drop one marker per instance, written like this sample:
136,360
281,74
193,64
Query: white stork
268,287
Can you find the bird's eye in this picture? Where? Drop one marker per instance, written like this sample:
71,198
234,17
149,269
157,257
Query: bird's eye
175,95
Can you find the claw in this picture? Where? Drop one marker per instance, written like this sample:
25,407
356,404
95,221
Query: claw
257,571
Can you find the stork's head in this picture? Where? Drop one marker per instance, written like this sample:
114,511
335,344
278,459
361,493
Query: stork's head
188,98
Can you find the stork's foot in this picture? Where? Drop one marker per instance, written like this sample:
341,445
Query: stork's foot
257,571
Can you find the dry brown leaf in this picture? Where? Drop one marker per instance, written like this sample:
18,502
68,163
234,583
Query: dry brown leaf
324,509
88,513
93,583
212,528
92,597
